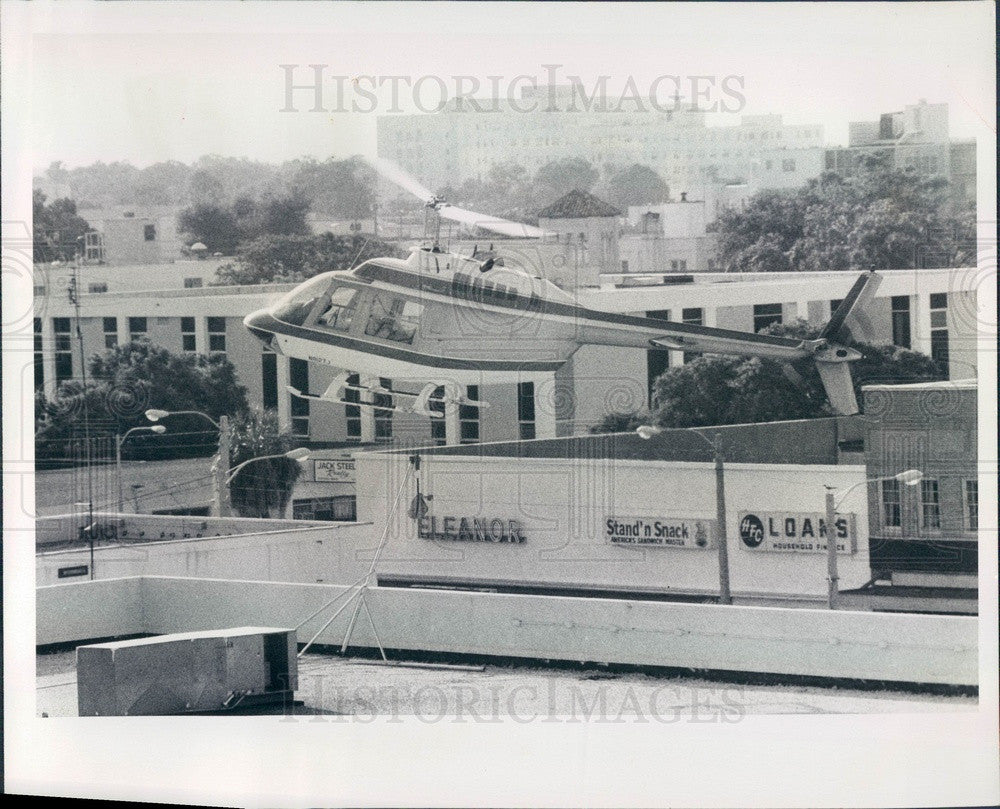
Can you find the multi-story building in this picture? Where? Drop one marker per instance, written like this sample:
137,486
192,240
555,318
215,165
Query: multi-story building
923,539
916,138
549,123
123,237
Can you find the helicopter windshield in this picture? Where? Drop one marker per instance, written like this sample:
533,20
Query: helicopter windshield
295,307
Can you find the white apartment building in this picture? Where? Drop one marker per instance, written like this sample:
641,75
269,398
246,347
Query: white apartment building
460,142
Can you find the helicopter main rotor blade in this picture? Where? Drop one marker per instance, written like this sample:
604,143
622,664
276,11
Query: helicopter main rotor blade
492,223
395,174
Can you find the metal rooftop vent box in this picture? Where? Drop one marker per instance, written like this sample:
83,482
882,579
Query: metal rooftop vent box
215,670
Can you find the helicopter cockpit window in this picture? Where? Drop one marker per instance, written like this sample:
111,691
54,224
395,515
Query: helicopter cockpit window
295,307
394,319
340,311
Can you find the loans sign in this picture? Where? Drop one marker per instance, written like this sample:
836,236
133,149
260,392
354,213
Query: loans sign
795,532
334,470
660,532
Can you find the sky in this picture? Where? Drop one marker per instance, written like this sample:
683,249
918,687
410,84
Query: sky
153,82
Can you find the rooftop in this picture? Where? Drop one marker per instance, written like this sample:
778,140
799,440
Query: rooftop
577,205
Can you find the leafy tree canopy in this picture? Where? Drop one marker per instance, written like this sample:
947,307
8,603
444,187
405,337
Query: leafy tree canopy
58,230
714,390
635,185
883,218
221,228
126,381
261,488
269,259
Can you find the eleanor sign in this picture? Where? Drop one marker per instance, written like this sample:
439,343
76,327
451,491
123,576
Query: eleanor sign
795,532
334,470
471,529
660,532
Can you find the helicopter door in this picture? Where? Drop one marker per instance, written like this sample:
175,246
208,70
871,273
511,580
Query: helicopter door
394,318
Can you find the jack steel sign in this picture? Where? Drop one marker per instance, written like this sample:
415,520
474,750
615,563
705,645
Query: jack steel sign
660,532
334,470
795,532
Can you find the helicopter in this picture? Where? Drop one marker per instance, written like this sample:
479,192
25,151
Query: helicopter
448,320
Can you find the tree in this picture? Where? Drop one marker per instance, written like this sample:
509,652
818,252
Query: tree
559,177
621,422
882,218
636,185
126,381
261,488
293,258
285,216
213,225
57,229
715,390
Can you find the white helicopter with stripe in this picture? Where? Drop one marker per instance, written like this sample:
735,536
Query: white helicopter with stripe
450,320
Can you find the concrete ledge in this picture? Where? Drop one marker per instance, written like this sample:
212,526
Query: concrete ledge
851,645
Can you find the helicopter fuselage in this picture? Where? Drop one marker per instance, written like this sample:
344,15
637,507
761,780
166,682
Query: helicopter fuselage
439,317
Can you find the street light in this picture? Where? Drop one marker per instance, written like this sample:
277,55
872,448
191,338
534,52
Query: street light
299,454
647,431
222,503
909,477
159,429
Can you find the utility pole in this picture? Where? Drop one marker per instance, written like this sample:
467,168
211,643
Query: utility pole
833,579
223,504
74,297
725,594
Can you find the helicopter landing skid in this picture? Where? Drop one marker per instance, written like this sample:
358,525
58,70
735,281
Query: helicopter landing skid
301,394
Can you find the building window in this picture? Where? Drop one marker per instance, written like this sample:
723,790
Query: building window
624,265
187,334
298,377
678,265
137,328
269,379
217,338
332,509
764,314
64,349
695,317
526,410
39,362
972,505
192,283
436,405
353,412
930,505
657,359
149,233
788,165
939,329
892,509
110,326
901,321
383,412
468,418
97,288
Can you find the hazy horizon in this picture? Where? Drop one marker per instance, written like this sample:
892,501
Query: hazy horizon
122,92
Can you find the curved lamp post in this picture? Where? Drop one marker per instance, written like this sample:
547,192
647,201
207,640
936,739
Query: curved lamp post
222,504
299,454
647,431
159,429
909,477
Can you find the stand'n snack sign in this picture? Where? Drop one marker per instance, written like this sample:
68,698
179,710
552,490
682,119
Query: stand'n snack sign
795,532
660,532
